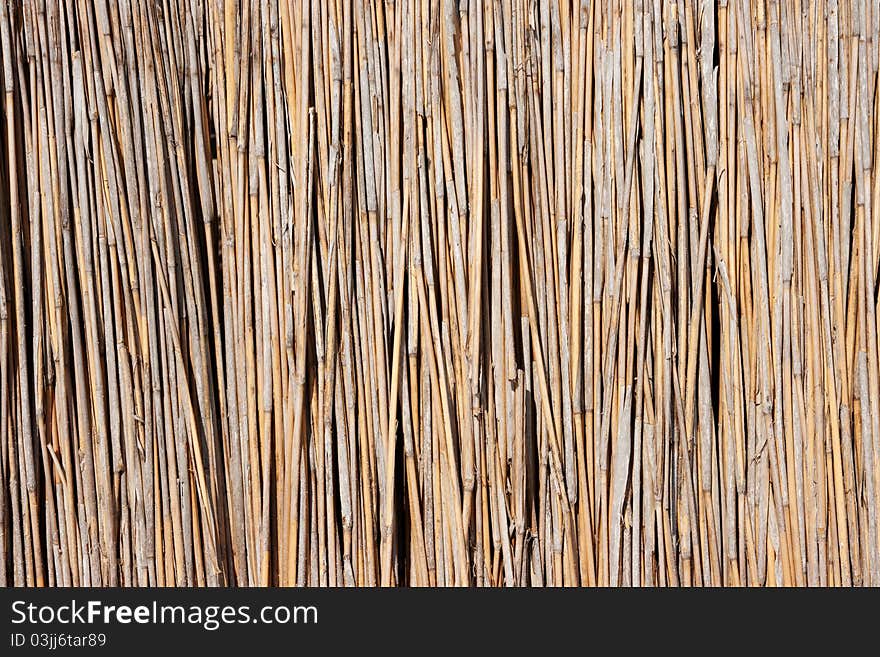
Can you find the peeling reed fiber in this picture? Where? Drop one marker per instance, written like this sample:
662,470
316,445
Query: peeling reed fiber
439,292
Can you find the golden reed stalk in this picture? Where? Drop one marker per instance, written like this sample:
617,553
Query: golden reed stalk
439,292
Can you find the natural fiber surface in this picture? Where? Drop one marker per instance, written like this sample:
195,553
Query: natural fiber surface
439,292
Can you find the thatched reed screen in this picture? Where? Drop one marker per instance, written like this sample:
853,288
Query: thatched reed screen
439,292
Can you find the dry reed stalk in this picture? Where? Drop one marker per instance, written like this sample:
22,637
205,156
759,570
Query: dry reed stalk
435,293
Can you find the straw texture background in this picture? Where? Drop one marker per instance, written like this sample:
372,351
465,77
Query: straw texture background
439,292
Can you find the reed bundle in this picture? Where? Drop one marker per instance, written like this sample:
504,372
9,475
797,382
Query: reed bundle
438,292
